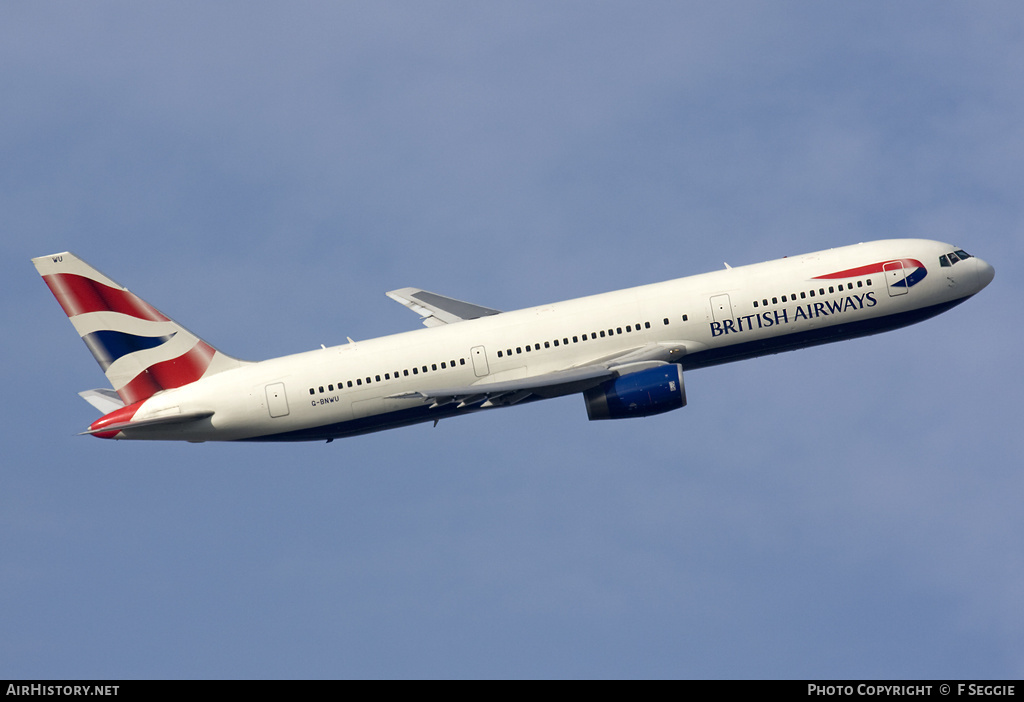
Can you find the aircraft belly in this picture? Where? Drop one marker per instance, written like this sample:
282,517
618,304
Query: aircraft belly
420,412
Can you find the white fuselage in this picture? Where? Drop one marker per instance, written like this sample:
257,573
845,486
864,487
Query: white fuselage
712,318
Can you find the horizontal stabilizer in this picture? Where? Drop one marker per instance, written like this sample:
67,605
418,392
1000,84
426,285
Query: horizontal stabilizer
103,399
436,310
98,427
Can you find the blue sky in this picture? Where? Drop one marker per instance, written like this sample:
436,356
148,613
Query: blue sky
263,173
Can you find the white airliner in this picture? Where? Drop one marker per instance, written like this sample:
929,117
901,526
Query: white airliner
625,351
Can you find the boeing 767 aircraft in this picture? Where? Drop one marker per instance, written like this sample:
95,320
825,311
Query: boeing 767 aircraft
625,351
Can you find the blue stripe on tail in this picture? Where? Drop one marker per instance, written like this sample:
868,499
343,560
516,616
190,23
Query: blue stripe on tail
108,345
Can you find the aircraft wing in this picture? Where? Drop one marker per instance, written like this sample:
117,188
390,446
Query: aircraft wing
556,383
436,310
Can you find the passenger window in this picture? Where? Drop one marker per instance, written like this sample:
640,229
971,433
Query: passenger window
685,317
312,391
647,325
666,320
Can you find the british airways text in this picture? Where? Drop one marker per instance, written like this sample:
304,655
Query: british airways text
786,315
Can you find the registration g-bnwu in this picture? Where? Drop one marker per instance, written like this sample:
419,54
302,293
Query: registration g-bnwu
624,351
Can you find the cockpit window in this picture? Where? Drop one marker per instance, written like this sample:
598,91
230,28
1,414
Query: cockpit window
953,257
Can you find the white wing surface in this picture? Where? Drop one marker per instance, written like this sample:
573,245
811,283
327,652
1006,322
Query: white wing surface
435,310
567,381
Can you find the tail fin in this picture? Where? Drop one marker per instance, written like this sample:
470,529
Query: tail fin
141,351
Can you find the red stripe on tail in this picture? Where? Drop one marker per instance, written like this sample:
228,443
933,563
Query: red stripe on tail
79,295
185,369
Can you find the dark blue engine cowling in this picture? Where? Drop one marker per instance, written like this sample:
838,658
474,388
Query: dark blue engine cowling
639,394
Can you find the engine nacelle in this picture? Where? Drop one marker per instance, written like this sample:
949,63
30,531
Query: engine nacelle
639,394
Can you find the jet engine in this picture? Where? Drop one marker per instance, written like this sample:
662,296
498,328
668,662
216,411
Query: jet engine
639,394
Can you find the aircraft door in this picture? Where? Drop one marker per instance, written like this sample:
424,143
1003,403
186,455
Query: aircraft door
721,308
895,278
277,403
479,356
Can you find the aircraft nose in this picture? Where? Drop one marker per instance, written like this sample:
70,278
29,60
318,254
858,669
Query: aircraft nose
985,273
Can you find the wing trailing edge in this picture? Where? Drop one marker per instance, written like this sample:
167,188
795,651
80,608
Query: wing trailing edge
569,381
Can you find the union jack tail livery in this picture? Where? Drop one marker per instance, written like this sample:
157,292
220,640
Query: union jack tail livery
141,351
